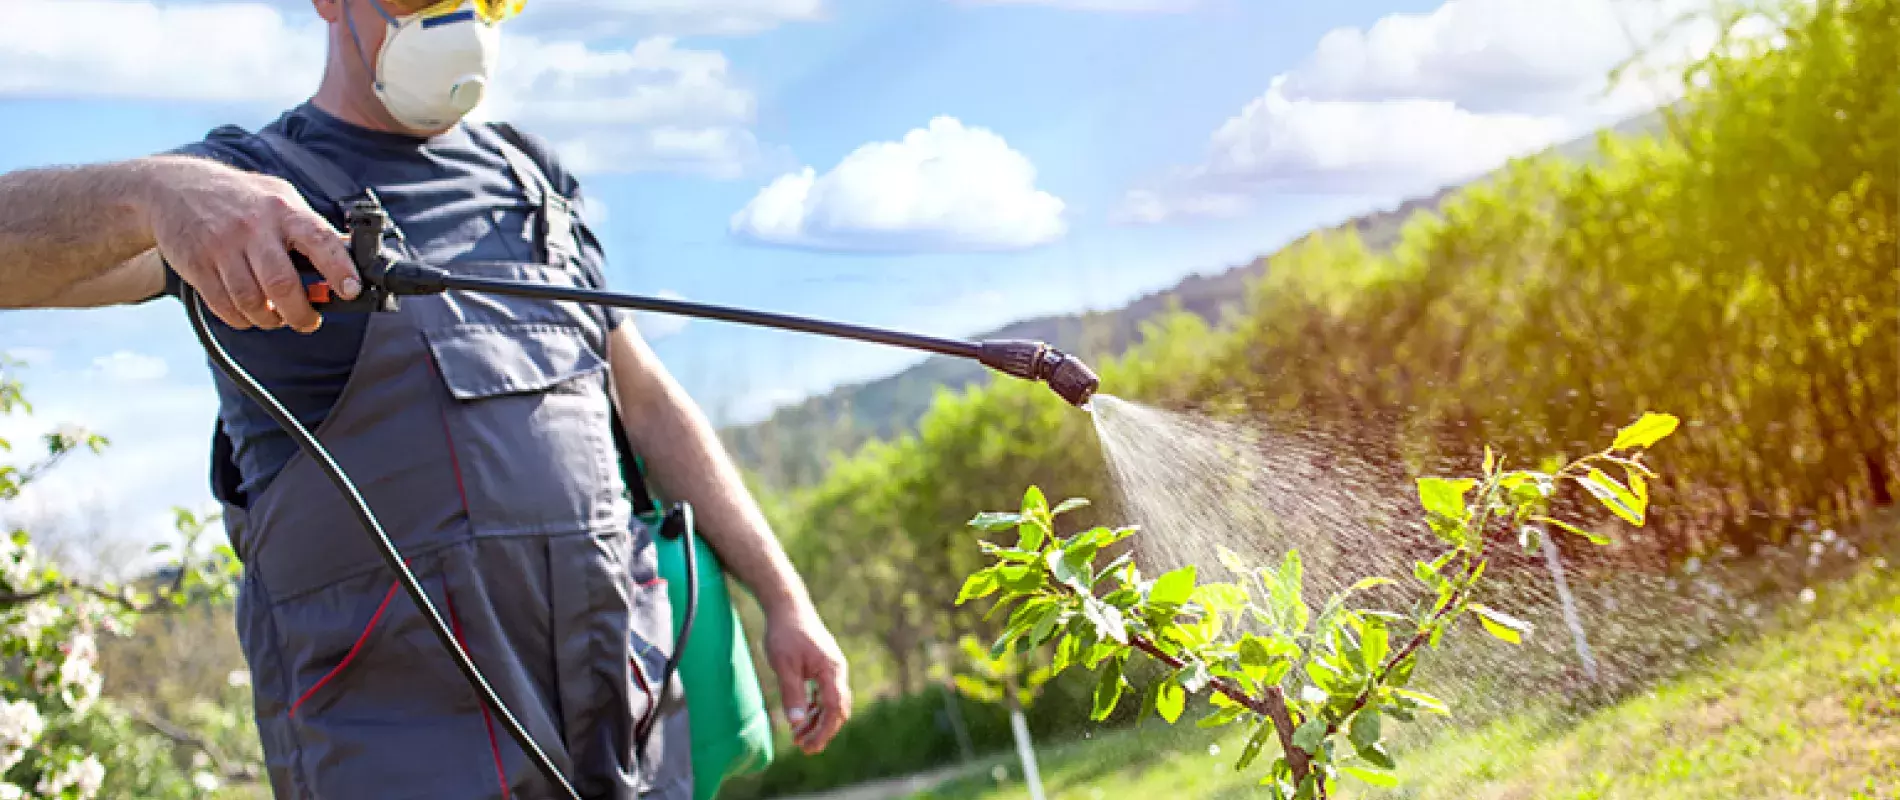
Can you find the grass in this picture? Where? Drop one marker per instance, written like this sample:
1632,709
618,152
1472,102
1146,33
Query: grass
1809,710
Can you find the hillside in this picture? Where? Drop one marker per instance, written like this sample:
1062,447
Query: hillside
790,448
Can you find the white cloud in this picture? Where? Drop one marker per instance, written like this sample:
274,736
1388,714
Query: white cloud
148,50
29,356
1417,101
126,366
651,106
945,187
683,17
1117,6
655,327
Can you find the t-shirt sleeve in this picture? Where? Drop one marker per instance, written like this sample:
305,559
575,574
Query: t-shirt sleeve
223,145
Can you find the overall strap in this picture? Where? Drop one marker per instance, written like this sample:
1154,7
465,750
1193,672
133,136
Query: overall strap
554,226
315,170
330,180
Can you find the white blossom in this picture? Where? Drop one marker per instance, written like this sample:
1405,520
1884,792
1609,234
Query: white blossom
206,782
20,727
91,775
9,791
37,617
1807,595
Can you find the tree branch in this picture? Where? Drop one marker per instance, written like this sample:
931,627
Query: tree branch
177,733
1272,705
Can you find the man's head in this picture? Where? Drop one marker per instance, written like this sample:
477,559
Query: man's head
416,66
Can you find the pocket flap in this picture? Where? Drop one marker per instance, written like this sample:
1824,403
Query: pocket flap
489,360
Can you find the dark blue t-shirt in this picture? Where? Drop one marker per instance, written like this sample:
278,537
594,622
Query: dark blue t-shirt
454,198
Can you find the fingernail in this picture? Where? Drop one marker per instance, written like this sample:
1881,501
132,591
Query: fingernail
350,287
796,715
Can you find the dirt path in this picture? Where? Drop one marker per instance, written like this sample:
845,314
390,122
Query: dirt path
894,788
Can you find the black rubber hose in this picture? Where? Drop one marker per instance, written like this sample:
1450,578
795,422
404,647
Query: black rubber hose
314,449
689,542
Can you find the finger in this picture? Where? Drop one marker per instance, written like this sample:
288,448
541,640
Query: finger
835,707
270,265
325,248
234,269
791,691
210,287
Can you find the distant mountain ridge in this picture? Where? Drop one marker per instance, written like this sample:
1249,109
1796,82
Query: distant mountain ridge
791,447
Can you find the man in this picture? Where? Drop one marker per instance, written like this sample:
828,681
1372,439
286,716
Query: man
477,427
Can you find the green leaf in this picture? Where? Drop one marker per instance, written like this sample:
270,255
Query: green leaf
1645,431
1029,536
1034,503
1365,728
1310,735
1108,620
1261,734
1614,496
1423,700
977,689
1379,778
1069,505
1309,788
1258,651
1108,690
1170,701
981,584
1500,624
1373,643
1225,716
1007,553
1174,587
1194,677
1019,579
996,520
1368,583
1377,756
1594,537
1443,496
1045,627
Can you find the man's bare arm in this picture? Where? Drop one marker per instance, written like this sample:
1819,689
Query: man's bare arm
61,226
91,235
139,278
688,462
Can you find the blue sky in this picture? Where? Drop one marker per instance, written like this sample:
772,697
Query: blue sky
944,166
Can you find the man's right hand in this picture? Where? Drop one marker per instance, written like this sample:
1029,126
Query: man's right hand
229,234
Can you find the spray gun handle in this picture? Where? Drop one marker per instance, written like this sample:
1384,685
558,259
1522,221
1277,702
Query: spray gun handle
367,223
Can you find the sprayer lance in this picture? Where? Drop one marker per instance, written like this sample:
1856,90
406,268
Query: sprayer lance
384,279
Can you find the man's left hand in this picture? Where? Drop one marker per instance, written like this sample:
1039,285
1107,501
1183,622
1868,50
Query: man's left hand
803,652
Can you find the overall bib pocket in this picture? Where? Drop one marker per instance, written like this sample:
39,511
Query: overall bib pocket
527,425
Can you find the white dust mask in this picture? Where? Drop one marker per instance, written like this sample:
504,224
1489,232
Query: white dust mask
435,66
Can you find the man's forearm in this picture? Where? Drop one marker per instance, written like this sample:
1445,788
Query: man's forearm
689,463
64,225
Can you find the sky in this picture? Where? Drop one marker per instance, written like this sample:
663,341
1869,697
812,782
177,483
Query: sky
941,166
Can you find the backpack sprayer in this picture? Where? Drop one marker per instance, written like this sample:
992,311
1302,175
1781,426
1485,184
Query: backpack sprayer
385,280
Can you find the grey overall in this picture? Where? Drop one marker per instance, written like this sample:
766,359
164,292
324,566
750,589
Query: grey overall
477,428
